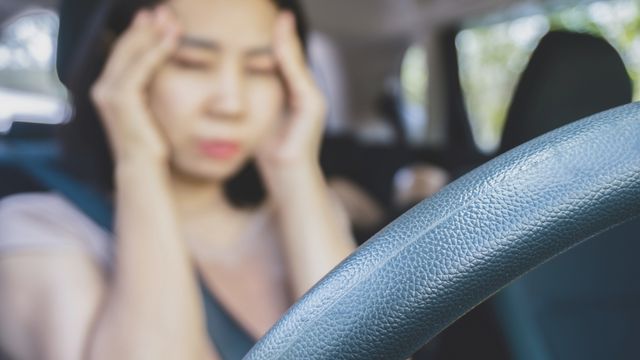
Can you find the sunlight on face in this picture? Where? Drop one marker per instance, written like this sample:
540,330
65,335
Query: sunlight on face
220,95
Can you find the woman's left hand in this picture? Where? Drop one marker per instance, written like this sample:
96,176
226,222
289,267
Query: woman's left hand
297,142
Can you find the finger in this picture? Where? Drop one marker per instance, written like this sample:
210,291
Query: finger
143,68
144,31
124,48
291,57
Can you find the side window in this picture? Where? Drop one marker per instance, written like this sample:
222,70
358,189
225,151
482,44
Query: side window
492,57
494,53
29,87
414,83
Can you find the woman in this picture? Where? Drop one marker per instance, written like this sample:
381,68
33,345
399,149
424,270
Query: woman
191,92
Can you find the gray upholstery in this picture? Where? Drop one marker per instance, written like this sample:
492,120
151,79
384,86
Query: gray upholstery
451,252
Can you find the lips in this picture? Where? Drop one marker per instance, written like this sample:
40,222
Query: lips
219,149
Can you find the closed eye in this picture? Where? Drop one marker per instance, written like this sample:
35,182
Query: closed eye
262,66
190,64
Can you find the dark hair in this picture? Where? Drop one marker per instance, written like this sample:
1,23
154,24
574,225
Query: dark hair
85,29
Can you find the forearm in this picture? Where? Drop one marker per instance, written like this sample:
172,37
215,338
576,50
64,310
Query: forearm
153,308
315,238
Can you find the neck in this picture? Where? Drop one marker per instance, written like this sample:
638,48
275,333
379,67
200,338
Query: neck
195,196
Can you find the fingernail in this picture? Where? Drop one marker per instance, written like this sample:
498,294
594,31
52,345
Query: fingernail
161,14
284,23
291,19
141,17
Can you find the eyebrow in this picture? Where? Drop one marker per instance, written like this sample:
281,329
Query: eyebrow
204,44
213,46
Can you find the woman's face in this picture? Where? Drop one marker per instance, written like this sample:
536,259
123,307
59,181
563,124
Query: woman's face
220,95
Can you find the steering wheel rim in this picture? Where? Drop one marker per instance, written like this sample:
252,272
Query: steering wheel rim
451,252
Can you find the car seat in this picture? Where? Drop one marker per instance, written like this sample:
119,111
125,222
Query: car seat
584,304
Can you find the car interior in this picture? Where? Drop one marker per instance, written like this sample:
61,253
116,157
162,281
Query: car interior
435,88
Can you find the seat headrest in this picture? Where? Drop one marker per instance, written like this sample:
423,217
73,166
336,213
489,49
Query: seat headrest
569,76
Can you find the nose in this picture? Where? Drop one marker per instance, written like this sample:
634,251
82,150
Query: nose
227,100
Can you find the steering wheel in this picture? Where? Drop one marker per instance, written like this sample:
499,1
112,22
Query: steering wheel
451,252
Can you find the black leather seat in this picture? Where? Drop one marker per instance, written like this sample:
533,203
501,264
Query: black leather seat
584,304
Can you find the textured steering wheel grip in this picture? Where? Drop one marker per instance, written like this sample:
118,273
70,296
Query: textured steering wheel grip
453,251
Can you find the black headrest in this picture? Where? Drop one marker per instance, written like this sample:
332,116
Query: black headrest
569,76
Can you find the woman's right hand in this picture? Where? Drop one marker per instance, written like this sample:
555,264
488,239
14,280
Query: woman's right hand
120,93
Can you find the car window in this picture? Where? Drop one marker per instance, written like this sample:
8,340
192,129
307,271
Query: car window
29,87
414,80
493,52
